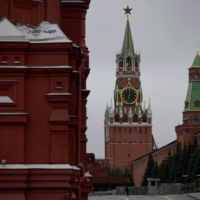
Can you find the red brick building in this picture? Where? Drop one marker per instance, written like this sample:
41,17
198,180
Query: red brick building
128,126
44,65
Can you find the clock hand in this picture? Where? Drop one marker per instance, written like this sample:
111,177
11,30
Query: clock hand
129,95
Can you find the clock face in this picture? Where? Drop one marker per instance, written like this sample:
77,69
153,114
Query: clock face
129,95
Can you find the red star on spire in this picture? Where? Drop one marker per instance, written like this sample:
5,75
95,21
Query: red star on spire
128,10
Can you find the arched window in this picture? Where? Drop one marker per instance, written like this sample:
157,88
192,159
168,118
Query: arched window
128,62
135,118
195,120
121,63
196,74
125,118
136,63
144,117
116,117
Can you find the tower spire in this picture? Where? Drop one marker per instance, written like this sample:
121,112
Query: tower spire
149,111
127,47
196,62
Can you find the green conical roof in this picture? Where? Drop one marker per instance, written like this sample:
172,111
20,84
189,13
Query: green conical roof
128,47
193,95
196,62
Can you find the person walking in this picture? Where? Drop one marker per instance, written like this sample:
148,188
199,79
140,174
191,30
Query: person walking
127,191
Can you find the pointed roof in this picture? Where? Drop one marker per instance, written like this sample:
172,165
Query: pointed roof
128,47
149,111
193,95
196,62
111,112
7,29
106,112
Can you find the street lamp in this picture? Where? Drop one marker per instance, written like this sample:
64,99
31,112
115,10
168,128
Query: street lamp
197,184
185,176
198,175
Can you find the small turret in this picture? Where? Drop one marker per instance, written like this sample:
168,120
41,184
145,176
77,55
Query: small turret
111,112
144,107
149,111
106,112
130,112
120,110
139,111
149,114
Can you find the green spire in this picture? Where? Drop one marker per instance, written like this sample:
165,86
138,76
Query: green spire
128,47
193,96
196,62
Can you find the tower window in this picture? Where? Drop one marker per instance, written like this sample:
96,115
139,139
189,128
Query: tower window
128,62
195,120
136,63
125,118
196,74
121,63
197,103
116,117
144,118
135,118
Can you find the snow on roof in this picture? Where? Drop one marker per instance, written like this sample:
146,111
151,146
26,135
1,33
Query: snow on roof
5,99
44,33
87,174
7,29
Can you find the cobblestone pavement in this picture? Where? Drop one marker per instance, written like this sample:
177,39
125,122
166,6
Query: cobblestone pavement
135,197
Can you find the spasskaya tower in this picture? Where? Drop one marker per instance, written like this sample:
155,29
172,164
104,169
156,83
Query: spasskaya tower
128,126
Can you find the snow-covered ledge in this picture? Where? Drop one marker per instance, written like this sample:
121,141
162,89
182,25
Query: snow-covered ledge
5,99
38,166
87,174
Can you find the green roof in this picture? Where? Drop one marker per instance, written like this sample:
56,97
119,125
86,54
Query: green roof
128,46
196,62
193,94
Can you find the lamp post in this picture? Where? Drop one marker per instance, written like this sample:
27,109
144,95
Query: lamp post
185,176
197,184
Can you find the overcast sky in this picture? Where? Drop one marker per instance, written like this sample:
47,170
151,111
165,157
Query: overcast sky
167,33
